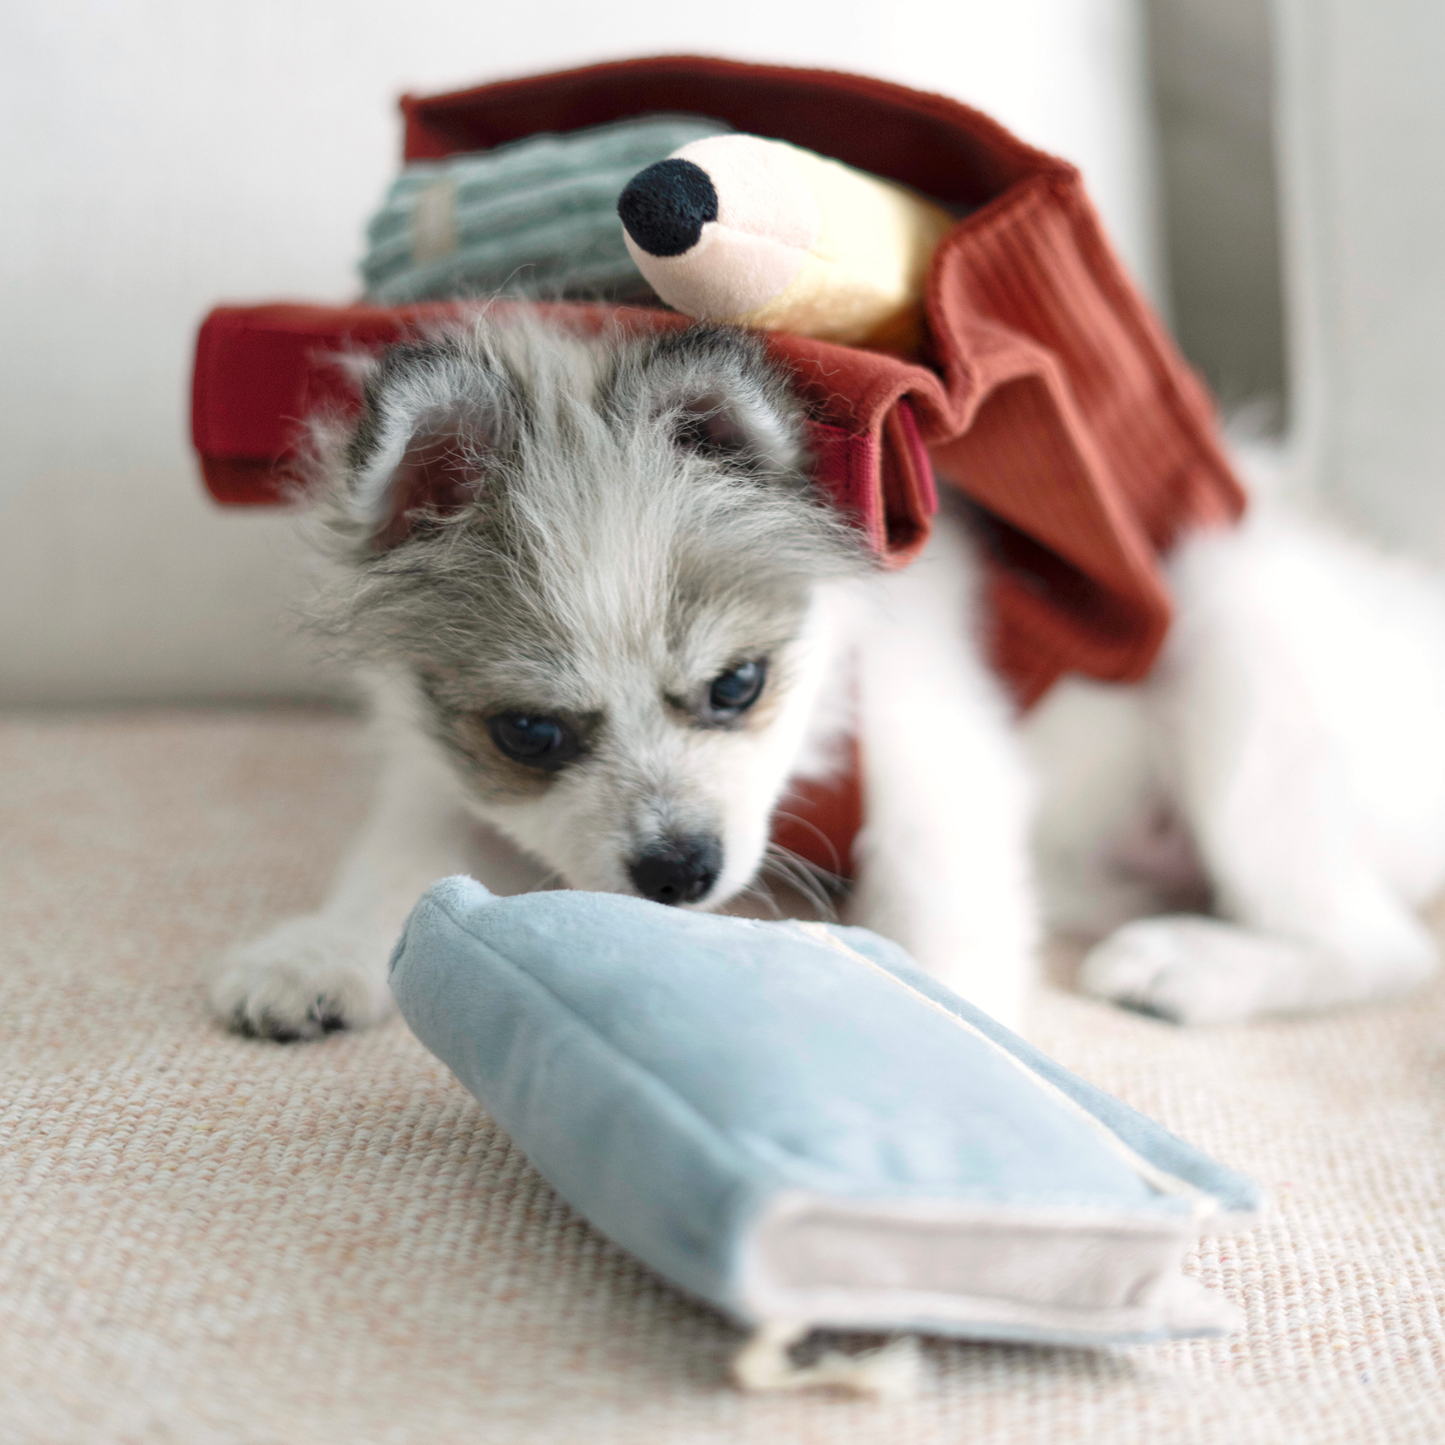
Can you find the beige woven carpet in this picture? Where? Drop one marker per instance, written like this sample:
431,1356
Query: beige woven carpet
204,1239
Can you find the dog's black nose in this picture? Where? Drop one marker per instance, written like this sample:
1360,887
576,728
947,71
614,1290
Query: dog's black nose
677,870
666,206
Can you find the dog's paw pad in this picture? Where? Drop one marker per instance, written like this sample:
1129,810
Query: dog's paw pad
325,1016
262,1025
305,979
329,1014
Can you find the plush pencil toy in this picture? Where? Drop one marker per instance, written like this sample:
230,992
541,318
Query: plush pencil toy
761,233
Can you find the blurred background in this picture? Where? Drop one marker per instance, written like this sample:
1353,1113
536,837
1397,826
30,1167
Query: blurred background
1269,169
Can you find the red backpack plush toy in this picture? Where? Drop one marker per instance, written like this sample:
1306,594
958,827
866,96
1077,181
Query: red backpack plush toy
1036,381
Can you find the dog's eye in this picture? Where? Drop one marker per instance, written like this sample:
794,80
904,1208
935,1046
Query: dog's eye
538,741
737,689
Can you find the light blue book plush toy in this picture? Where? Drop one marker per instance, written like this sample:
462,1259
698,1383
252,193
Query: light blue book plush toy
792,1121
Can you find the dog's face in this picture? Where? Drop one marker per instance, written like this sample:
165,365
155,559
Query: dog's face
600,563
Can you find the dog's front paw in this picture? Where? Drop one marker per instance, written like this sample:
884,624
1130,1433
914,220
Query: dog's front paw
1186,969
302,980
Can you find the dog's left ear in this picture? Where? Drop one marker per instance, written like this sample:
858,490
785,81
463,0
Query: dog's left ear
419,452
721,395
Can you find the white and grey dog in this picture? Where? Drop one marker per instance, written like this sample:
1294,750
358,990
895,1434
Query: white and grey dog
607,621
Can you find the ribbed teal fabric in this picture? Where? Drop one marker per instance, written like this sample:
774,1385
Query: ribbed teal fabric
535,218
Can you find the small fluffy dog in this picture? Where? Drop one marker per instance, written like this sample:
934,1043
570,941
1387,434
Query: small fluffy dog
606,621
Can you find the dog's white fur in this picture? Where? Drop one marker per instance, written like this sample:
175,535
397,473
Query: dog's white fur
1284,761
1292,739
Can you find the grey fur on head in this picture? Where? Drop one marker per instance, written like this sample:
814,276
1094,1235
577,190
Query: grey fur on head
540,459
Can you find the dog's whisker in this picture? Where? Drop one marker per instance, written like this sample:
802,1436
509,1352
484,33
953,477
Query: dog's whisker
837,863
763,895
832,882
802,876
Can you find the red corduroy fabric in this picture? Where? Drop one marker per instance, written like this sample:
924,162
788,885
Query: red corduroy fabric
260,370
1049,394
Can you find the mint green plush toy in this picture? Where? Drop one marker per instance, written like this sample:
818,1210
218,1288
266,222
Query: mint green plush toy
535,218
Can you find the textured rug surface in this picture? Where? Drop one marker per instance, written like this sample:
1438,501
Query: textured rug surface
205,1239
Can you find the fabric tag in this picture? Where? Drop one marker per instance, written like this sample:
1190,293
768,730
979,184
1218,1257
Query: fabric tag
434,222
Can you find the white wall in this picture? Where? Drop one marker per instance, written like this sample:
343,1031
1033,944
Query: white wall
1362,109
162,155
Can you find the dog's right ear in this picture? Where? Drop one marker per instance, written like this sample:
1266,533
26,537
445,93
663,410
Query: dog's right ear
721,395
419,452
